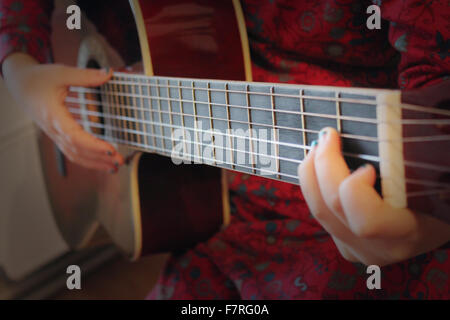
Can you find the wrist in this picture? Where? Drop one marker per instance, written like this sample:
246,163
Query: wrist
15,63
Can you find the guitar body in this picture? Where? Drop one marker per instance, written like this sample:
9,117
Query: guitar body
150,205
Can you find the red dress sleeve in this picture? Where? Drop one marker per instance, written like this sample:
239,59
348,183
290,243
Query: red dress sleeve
25,27
420,31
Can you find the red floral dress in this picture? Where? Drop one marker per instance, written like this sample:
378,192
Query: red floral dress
274,248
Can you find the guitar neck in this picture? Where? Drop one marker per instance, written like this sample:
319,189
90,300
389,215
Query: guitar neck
266,129
258,128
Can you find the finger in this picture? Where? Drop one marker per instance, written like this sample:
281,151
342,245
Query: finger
74,157
96,165
367,214
92,147
71,76
86,144
109,160
313,196
331,169
81,150
345,251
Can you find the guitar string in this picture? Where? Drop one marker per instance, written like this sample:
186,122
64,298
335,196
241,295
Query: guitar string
431,138
311,114
79,101
405,106
296,97
349,90
362,156
365,157
153,148
446,187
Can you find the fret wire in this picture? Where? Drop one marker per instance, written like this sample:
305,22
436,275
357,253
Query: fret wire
194,107
411,181
287,144
349,100
322,115
250,128
129,124
170,113
83,110
160,116
120,116
144,126
274,122
128,112
302,110
211,122
116,111
343,135
105,107
343,118
180,96
122,102
136,113
360,156
112,110
372,92
98,125
268,173
122,109
183,127
169,153
229,124
150,105
338,113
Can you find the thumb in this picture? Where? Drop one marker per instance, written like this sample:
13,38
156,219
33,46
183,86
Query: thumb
368,215
71,76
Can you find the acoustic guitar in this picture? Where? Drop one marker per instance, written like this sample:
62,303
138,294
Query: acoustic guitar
194,102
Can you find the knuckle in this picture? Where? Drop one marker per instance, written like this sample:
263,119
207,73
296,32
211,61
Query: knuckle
321,156
320,215
334,203
346,254
347,186
75,150
366,230
69,156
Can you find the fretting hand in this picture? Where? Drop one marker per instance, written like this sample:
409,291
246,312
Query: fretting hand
364,227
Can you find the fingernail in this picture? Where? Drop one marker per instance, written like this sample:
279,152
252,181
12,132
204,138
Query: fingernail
314,143
109,153
116,164
322,134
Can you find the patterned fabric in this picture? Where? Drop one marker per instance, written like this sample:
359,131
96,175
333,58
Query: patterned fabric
274,248
25,27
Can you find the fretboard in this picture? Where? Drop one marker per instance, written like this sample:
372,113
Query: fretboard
258,128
